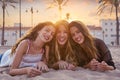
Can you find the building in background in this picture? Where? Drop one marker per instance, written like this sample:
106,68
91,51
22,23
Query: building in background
106,31
11,34
96,31
109,31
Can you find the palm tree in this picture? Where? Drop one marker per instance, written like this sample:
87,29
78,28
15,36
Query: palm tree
4,4
20,18
113,3
60,4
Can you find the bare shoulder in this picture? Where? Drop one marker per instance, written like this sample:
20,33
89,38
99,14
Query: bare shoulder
23,42
23,45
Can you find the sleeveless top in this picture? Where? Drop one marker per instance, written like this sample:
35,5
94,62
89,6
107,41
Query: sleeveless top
30,60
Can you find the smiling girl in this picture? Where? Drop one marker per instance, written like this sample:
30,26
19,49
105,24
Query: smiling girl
91,52
30,49
61,54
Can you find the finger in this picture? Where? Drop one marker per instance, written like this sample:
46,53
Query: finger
36,70
33,75
64,66
101,67
67,65
93,59
104,63
93,67
70,66
60,66
39,68
46,68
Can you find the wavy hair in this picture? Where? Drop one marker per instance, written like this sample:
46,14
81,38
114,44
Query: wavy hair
86,51
58,52
31,34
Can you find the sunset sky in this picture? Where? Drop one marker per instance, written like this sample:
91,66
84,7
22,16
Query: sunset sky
83,10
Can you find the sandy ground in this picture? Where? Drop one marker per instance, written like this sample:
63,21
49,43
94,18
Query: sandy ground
79,74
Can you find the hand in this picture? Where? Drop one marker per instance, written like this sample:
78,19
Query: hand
32,72
42,66
71,67
63,64
93,64
103,66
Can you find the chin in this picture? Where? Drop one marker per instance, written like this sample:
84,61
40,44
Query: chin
45,41
61,44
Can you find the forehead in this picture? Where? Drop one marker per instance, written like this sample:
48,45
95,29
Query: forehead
50,27
61,27
73,28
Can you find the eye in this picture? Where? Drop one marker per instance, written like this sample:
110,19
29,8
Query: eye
58,31
65,32
77,31
72,34
47,30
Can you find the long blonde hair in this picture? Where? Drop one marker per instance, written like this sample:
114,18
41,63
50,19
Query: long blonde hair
58,52
86,51
31,34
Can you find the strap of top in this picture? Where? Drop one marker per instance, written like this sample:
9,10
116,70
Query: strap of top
28,46
29,43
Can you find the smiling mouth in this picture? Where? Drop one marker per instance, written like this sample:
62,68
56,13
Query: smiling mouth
78,39
62,40
47,38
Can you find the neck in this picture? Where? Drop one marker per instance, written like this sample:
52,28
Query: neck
37,44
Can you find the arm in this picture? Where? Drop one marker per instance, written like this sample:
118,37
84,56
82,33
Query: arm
15,70
92,65
42,65
55,66
21,49
60,65
105,54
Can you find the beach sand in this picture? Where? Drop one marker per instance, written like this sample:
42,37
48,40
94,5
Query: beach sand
78,74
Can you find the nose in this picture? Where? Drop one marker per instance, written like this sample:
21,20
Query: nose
62,34
49,34
75,36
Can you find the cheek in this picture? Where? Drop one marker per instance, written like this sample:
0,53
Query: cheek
57,36
73,38
66,35
51,37
82,36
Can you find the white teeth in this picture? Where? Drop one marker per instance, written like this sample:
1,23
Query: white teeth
61,39
78,39
46,38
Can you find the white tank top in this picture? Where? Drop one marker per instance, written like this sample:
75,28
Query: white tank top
30,60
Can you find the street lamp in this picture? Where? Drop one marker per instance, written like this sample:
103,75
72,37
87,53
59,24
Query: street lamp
3,7
20,18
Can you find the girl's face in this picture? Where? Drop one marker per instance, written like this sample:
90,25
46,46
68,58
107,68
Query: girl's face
62,35
46,34
77,36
